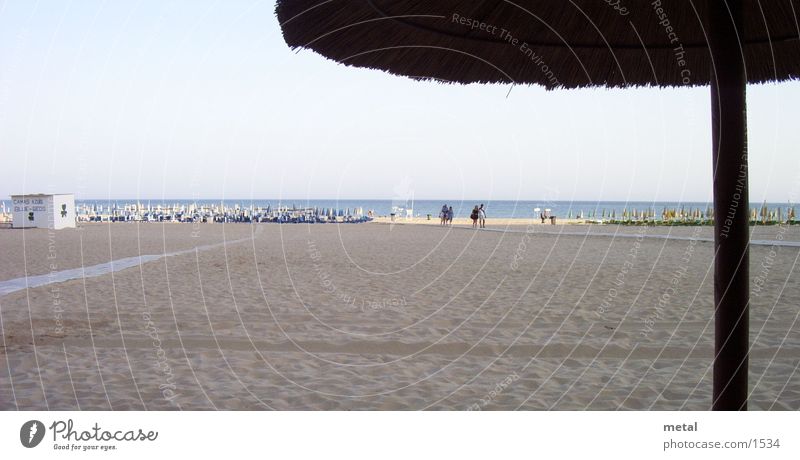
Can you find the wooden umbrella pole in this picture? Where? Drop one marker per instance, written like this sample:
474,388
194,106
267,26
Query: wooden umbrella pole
731,205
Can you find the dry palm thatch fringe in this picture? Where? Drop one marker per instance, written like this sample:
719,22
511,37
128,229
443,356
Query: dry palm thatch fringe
553,43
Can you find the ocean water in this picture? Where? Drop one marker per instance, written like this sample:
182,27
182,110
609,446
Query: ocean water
461,208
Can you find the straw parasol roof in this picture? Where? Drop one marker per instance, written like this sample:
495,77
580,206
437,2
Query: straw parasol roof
556,44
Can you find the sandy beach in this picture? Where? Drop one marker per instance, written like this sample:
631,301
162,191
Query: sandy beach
465,221
383,316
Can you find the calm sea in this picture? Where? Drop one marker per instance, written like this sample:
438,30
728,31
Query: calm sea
461,208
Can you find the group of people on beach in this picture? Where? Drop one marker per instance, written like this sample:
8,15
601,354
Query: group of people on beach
446,216
478,216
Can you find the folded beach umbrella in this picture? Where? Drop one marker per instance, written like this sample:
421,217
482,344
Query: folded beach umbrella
590,43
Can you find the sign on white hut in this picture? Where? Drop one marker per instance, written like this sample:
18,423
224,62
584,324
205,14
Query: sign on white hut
43,210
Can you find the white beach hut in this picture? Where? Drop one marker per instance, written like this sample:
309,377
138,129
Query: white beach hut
43,210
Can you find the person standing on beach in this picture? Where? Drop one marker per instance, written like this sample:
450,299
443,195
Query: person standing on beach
450,216
482,216
443,215
474,216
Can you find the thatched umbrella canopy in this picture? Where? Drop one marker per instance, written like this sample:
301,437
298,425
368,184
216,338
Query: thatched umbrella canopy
556,44
587,43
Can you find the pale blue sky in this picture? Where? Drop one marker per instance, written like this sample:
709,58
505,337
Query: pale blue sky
197,99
